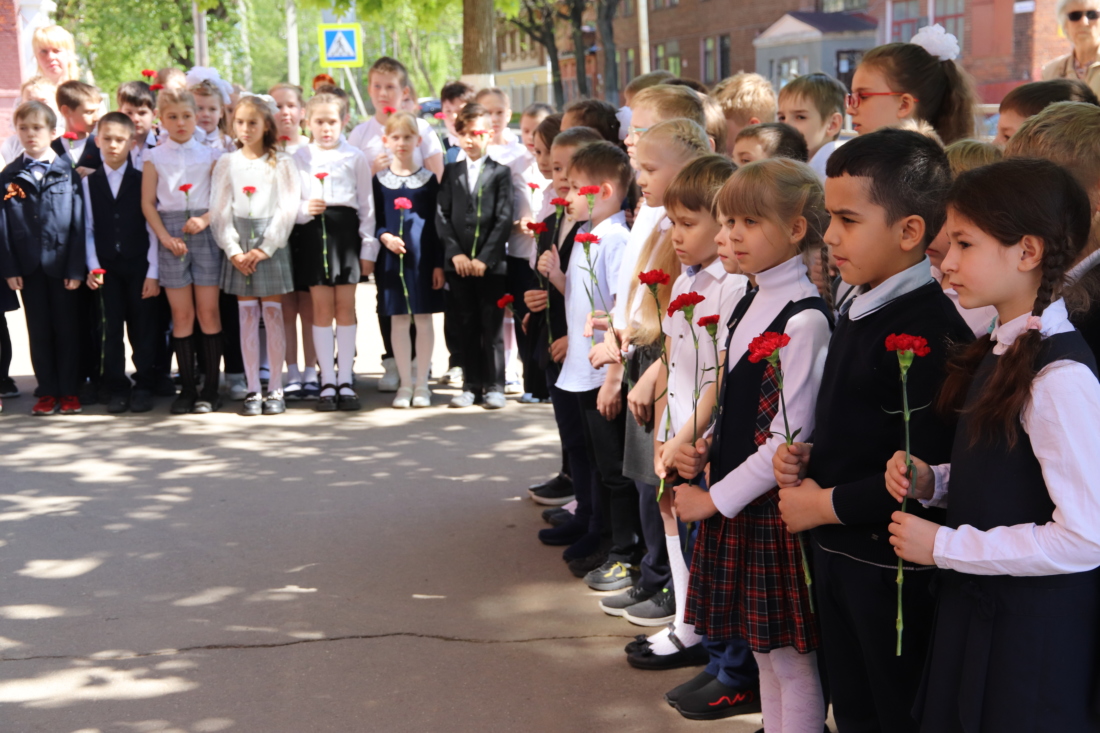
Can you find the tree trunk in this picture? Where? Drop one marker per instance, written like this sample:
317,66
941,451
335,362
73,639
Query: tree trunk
555,73
576,19
605,13
477,37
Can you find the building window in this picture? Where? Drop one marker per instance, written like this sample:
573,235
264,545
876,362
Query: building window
667,57
907,18
710,60
626,8
657,4
628,66
840,6
949,14
786,70
723,57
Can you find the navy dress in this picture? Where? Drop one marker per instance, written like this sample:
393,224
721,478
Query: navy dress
423,250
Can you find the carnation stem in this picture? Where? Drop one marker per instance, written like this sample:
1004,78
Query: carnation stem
905,499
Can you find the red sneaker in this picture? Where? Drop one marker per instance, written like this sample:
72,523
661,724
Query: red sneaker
44,406
70,405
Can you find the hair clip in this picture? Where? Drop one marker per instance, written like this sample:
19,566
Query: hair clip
1034,323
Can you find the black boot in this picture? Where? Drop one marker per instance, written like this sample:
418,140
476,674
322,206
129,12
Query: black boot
210,399
185,358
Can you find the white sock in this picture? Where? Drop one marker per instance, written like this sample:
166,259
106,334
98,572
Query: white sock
310,374
803,704
425,344
685,632
276,344
250,342
509,346
771,696
345,350
402,348
292,373
325,343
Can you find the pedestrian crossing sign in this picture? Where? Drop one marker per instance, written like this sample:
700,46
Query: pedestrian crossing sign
341,44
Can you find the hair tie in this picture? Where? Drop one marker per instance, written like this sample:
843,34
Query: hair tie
1034,323
937,41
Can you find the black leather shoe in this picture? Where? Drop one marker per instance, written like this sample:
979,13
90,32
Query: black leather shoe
715,701
566,534
141,401
555,516
119,403
184,404
165,387
640,642
693,656
695,683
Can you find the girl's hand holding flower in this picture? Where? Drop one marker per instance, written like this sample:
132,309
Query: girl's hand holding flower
194,225
316,206
394,244
536,300
175,245
913,538
691,459
897,482
692,503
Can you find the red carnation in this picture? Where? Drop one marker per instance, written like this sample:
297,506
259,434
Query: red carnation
533,186
685,302
479,132
284,138
148,73
586,238
440,116
654,277
98,274
388,110
767,346
559,202
402,203
156,87
506,301
589,190
70,136
320,176
249,190
537,227
708,321
904,342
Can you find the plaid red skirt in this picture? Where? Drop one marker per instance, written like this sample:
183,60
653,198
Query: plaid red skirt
747,582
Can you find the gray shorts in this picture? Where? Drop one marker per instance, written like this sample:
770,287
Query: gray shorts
202,265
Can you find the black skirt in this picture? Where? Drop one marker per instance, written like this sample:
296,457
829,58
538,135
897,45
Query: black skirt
337,242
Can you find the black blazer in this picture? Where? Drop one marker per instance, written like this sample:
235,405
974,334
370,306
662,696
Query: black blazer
42,222
457,214
89,156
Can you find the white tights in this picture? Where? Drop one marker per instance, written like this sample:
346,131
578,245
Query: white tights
790,691
402,347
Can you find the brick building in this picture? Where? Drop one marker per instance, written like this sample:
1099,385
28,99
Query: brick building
11,72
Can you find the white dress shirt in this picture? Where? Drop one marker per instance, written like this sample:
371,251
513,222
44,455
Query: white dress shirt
277,196
179,164
980,319
891,289
473,172
802,362
821,157
528,202
114,180
349,183
577,374
49,156
367,136
721,291
1062,419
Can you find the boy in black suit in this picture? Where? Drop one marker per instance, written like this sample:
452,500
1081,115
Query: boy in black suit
474,219
116,241
42,254
79,105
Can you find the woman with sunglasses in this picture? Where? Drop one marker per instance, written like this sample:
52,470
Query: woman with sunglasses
918,80
1080,21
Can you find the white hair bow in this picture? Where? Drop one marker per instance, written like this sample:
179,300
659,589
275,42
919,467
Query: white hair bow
938,42
199,74
624,116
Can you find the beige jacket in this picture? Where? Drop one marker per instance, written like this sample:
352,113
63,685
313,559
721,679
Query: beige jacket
1062,68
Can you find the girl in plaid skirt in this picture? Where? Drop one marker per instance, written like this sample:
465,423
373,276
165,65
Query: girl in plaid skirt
256,193
747,579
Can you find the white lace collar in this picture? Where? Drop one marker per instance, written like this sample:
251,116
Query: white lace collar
391,180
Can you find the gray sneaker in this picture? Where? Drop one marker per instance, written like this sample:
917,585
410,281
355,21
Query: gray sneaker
617,605
463,399
612,575
494,401
657,610
452,376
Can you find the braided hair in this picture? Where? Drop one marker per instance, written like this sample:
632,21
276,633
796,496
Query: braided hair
1008,201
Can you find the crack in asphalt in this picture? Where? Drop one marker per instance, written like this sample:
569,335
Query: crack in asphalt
296,642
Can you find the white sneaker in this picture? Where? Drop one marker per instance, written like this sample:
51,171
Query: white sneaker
403,400
452,376
390,380
513,386
238,388
422,397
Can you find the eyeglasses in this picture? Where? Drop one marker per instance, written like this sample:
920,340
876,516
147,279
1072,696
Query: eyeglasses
853,100
636,131
1076,15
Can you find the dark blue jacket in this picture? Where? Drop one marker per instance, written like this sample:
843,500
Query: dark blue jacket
42,222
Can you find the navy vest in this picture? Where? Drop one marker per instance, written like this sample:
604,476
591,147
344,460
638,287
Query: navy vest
119,222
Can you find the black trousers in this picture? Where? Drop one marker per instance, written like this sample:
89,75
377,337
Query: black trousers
617,495
231,333
91,335
451,330
521,278
123,307
53,328
481,323
569,414
162,327
5,347
872,689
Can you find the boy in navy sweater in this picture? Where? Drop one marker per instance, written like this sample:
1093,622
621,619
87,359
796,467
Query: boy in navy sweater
116,241
885,194
42,254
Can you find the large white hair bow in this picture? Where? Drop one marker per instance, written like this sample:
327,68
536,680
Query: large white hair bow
938,42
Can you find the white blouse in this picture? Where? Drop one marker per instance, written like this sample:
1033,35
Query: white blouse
292,146
802,362
177,165
349,183
1062,419
278,191
721,291
367,136
525,171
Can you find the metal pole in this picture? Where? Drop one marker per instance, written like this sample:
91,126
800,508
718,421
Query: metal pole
355,90
293,73
198,19
643,35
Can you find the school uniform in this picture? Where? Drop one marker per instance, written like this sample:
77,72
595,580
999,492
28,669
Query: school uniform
1016,642
42,241
474,218
328,253
116,240
423,250
857,430
746,576
84,151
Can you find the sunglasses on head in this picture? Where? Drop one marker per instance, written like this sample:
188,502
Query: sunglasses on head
1076,15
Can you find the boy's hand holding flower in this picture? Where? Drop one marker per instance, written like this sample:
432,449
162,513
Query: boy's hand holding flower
897,478
806,506
692,503
692,459
536,300
789,464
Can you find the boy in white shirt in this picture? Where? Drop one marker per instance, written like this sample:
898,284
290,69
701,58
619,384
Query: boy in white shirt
814,105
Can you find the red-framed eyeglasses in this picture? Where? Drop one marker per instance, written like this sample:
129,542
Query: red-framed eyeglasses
853,100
